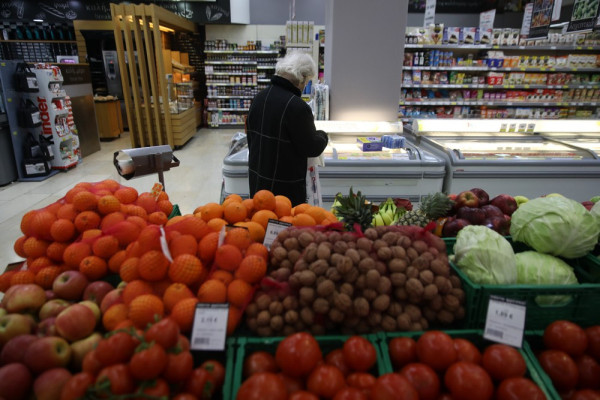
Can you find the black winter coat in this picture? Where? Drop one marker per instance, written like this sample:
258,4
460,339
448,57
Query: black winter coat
281,136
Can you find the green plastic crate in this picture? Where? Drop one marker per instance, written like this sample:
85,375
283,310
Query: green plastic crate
476,337
248,345
533,343
229,367
175,212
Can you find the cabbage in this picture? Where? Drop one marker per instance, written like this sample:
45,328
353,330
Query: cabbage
555,225
535,268
485,256
595,211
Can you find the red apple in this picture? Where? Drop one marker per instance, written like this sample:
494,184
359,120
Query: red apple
482,195
466,199
49,385
70,285
96,291
14,350
506,203
47,327
492,211
52,308
15,381
452,196
2,312
94,307
499,224
111,298
452,226
47,353
24,298
76,322
50,295
12,325
474,215
80,348
588,204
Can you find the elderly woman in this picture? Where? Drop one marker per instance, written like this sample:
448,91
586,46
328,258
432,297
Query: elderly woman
281,131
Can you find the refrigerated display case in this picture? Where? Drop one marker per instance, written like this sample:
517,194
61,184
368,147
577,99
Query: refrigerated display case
509,157
580,133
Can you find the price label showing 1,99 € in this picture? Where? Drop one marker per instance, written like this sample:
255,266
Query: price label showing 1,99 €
505,321
273,229
210,326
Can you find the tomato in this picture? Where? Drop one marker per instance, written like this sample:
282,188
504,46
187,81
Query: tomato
116,349
179,367
424,379
359,353
156,387
325,381
216,371
585,394
445,396
303,395
436,349
148,363
183,343
561,369
298,354
589,372
336,358
259,361
468,381
361,380
593,336
199,384
76,386
185,396
392,387
566,336
91,364
292,384
466,351
517,388
502,361
403,350
261,386
120,378
165,332
350,393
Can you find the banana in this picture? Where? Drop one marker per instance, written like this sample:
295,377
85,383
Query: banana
387,220
378,220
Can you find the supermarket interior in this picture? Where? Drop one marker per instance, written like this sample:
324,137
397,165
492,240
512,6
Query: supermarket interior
448,247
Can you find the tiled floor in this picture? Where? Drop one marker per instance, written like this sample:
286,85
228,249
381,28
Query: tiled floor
195,182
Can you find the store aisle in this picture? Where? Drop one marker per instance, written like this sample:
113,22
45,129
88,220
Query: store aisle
195,182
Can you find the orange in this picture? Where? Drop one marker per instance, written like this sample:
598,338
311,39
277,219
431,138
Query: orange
300,208
159,287
175,293
249,204
41,223
126,195
262,217
18,246
212,291
149,238
256,230
239,293
56,250
115,314
85,201
157,218
184,244
108,204
46,276
93,267
110,184
115,261
145,309
85,185
110,220
233,319
239,237
38,263
34,247
165,206
207,247
126,232
264,200
303,220
162,196
134,289
72,192
22,277
258,249
105,246
67,211
232,198
228,257
129,270
210,211
288,218
5,280
26,227
62,230
192,226
138,211
318,213
153,266
330,216
175,220
281,198
252,269
54,207
90,235
282,207
186,269
139,221
216,224
147,202
133,249
222,275
234,212
87,220
183,313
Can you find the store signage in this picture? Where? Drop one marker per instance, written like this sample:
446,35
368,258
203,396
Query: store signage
429,13
505,321
273,228
584,16
45,116
526,19
541,19
486,20
557,8
210,327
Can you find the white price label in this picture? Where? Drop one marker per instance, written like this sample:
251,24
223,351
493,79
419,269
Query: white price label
273,229
210,326
505,321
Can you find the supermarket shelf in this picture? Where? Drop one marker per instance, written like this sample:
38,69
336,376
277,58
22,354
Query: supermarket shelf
37,41
241,52
229,84
496,47
184,96
410,119
265,67
492,69
499,103
227,109
484,86
232,73
230,62
263,80
230,97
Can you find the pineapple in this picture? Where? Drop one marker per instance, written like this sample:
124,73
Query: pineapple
353,209
432,207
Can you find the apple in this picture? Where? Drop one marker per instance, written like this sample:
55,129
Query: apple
452,226
49,385
3,312
70,285
96,291
482,195
505,203
111,298
466,198
492,211
452,196
47,353
595,199
24,298
12,325
47,327
52,308
94,307
498,224
474,215
50,295
521,200
80,348
14,350
588,204
76,322
554,195
15,381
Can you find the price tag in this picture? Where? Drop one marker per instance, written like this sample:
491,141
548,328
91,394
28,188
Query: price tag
505,321
273,229
210,326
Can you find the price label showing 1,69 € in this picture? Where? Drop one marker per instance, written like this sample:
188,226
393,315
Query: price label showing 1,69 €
273,229
505,321
210,326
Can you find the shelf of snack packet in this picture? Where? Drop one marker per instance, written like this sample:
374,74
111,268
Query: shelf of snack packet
516,103
498,47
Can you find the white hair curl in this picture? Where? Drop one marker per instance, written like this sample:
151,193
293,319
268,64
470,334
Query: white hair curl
298,67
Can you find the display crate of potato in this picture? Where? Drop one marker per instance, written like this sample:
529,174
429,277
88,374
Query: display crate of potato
390,278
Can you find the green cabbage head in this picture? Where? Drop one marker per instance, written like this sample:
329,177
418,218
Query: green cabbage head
485,256
555,225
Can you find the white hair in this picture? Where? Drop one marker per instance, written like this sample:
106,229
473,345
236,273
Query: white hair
297,67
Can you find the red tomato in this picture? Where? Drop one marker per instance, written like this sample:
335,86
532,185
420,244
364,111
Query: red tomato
325,381
593,336
361,380
403,350
436,349
336,358
292,384
259,361
561,369
589,372
303,395
261,386
199,384
298,354
466,351
76,386
120,378
392,387
585,394
179,367
165,332
156,387
468,381
148,363
183,343
185,396
216,371
566,336
502,361
518,388
424,379
118,348
360,354
445,396
350,393
91,364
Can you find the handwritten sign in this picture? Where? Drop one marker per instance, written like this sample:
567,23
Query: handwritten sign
429,13
486,20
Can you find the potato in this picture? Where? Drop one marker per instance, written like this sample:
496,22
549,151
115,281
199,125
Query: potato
276,322
381,302
320,306
365,244
372,277
397,265
353,255
305,238
366,264
275,308
263,318
426,277
384,286
340,247
361,307
371,233
310,252
290,302
323,251
325,288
